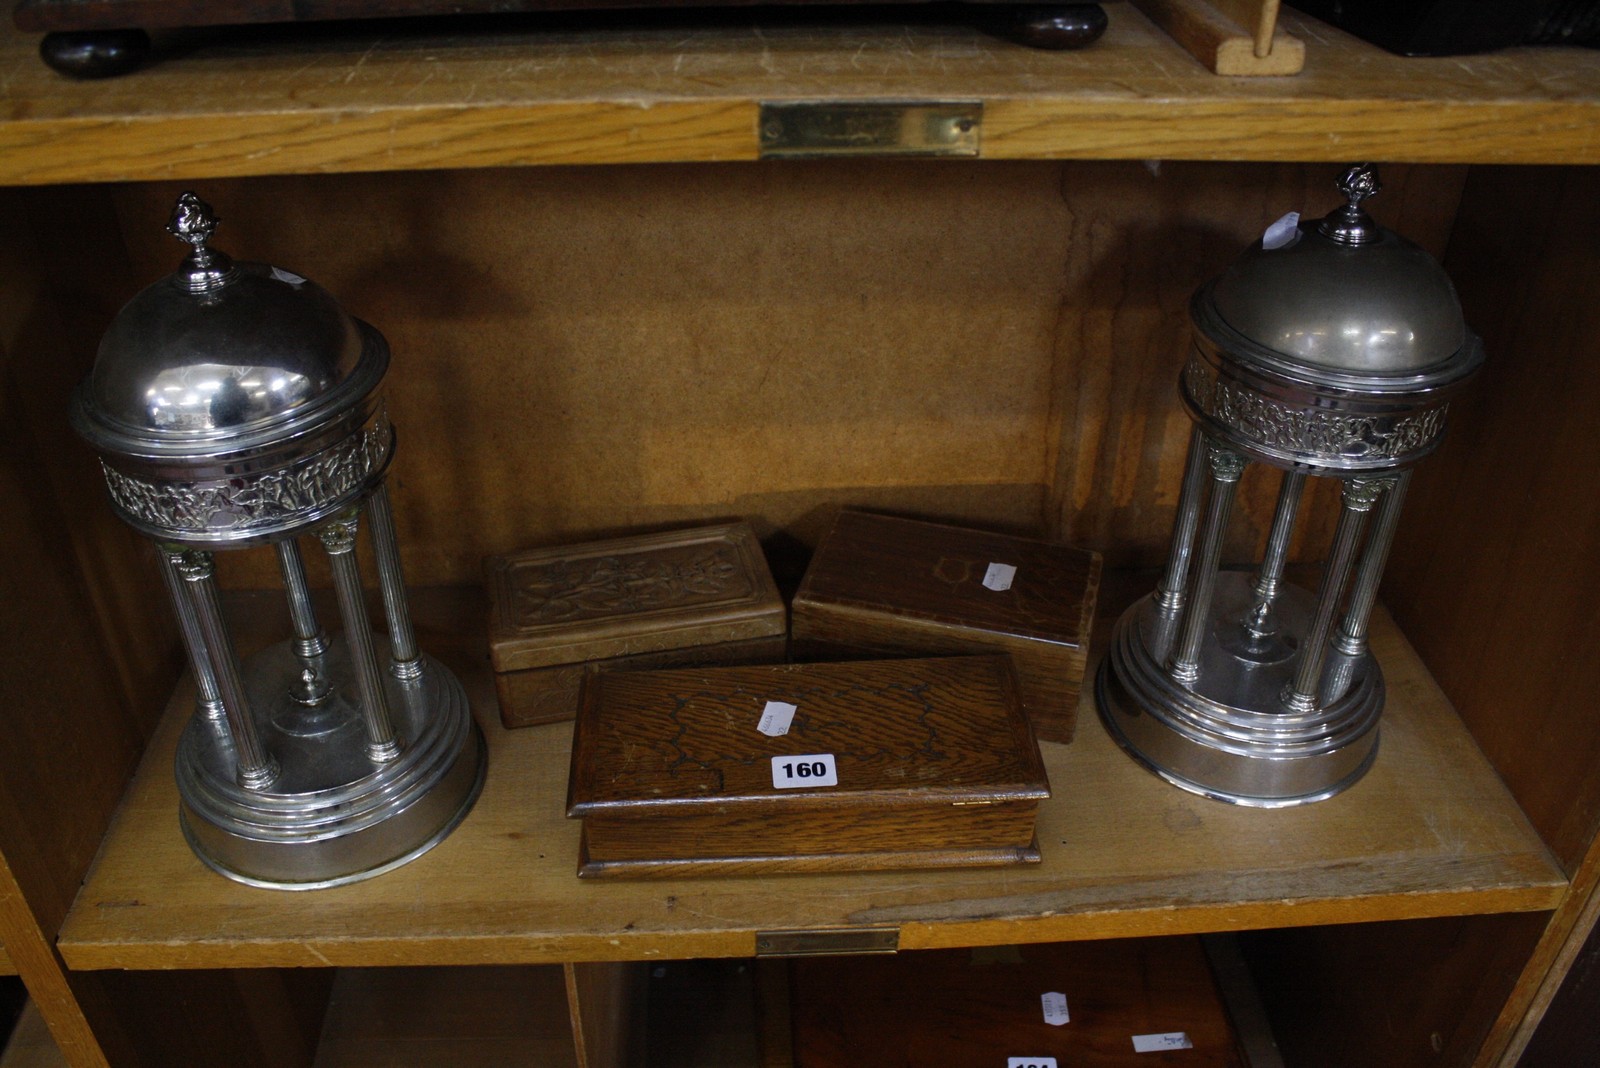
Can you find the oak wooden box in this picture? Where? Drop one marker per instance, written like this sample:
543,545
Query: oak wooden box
880,585
670,599
935,764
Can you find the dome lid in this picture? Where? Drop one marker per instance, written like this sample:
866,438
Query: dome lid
221,356
1344,297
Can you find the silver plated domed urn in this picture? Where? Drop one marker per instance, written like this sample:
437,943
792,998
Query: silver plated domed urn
236,405
1327,350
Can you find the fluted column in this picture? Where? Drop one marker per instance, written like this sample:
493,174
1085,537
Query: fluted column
1259,619
407,662
339,538
1351,638
1359,496
256,768
208,699
1174,579
1226,468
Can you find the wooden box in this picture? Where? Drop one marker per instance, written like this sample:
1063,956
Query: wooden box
879,585
1082,1004
701,596
805,767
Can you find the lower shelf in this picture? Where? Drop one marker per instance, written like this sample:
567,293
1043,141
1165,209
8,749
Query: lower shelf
946,1007
1430,831
1108,1004
30,1045
967,1008
953,1008
443,1017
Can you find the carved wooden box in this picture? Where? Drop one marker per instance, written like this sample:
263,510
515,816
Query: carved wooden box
701,596
879,585
805,767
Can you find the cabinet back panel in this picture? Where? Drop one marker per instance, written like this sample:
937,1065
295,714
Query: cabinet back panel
1496,571
69,742
1494,578
63,274
580,351
1402,994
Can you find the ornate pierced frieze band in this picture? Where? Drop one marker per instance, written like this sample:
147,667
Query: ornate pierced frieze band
255,502
1360,438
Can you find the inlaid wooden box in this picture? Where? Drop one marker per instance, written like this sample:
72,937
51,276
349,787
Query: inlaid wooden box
805,767
880,585
700,596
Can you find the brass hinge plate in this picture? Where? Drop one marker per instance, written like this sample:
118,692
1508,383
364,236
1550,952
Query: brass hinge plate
819,129
827,942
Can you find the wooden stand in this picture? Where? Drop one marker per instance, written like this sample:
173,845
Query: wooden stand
1231,37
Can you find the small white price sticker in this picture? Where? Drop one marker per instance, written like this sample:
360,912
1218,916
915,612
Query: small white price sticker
812,769
776,718
1055,1008
1030,1062
1155,1043
1286,231
999,576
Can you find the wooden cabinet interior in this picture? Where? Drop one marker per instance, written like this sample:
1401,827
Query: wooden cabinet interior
584,350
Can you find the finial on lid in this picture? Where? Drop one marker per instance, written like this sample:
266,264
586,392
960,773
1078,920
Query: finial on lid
1350,225
204,269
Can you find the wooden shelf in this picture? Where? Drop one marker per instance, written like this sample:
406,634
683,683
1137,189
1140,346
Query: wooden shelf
1429,832
6,967
402,96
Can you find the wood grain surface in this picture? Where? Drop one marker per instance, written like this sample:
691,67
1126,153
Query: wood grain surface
472,95
30,1044
883,585
931,572
605,1008
935,731
1521,445
550,695
566,604
468,1017
1233,38
665,599
935,767
1566,1033
977,1008
1430,831
70,741
753,861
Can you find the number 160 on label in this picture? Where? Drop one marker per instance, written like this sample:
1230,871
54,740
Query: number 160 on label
812,769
